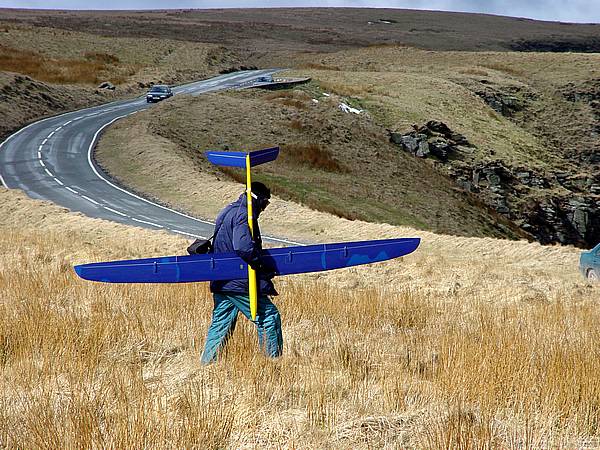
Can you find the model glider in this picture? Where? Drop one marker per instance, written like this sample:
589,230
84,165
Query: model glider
229,266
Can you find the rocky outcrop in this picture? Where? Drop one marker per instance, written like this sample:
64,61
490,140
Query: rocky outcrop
552,207
505,100
434,138
565,44
565,219
504,104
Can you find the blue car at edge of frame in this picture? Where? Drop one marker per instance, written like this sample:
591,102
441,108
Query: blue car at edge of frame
589,264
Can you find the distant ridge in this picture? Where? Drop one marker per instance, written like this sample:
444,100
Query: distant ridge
327,29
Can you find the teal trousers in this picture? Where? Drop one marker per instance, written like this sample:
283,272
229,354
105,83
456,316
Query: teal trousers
224,318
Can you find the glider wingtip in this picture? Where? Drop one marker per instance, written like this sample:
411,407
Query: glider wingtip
79,270
417,242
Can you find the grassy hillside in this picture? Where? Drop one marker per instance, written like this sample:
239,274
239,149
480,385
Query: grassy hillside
467,342
267,30
45,70
330,160
528,171
532,118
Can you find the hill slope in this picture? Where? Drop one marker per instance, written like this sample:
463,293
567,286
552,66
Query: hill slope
532,118
326,29
465,341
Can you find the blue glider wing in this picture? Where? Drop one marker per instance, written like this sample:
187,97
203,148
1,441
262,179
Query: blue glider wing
228,266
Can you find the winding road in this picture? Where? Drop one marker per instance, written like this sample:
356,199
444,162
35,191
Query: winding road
51,159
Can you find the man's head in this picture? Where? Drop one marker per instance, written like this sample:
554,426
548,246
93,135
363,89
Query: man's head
261,195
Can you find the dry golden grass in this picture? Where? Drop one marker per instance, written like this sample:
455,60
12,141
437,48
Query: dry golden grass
313,155
86,71
296,124
65,56
468,343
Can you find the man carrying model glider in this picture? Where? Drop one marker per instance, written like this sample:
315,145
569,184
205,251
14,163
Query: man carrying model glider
233,234
237,252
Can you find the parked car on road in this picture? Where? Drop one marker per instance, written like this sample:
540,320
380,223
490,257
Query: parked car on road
589,264
158,92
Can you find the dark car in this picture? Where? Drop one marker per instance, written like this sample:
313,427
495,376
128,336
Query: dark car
589,264
158,92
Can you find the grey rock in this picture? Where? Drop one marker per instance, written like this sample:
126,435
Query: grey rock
459,139
440,148
465,150
501,102
580,220
494,179
410,143
438,127
396,138
466,184
423,149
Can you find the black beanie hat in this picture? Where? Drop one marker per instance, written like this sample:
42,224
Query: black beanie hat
260,190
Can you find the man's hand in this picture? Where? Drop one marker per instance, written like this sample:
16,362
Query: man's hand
262,269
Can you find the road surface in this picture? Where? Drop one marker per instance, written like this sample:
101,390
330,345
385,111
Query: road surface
52,160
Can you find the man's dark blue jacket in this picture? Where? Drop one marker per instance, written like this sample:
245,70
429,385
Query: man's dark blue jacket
233,235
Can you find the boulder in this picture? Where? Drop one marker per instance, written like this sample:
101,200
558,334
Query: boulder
459,139
396,138
438,127
423,149
500,102
434,138
410,143
440,148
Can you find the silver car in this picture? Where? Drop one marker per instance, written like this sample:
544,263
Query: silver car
158,92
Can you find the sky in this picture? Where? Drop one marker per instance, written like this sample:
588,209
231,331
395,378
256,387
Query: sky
556,10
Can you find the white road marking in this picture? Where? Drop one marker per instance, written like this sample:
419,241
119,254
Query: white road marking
48,172
116,212
91,164
42,162
39,155
44,141
198,85
72,190
91,200
2,181
187,234
67,123
146,222
58,181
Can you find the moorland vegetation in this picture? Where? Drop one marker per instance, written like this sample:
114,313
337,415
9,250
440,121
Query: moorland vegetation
467,342
472,341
